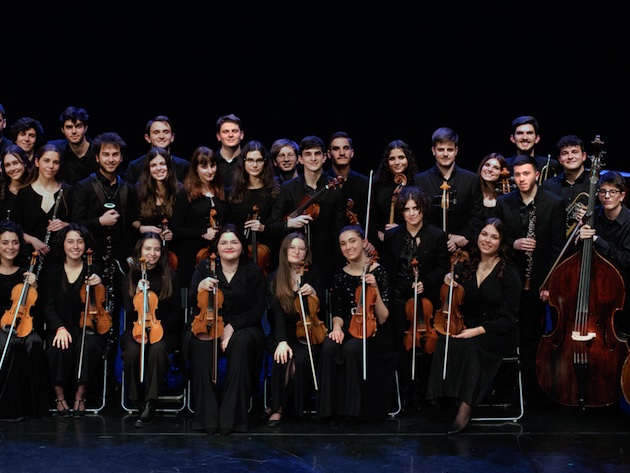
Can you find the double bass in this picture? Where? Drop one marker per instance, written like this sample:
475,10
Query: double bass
580,362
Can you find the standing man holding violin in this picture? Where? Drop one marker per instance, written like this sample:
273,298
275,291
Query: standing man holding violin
355,185
534,220
456,191
323,217
416,239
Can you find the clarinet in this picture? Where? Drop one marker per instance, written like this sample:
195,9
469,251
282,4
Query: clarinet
47,239
531,233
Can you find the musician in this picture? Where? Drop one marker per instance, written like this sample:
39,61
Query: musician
492,289
396,170
253,186
24,381
489,172
611,236
222,407
323,226
292,381
164,283
68,351
525,135
191,225
284,155
462,198
355,185
418,239
343,390
104,203
572,184
14,170
535,229
38,213
156,191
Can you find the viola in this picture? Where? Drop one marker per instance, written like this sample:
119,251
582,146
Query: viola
212,223
309,205
173,261
401,181
308,308
353,218
18,319
421,333
94,315
581,361
365,299
448,319
258,252
147,328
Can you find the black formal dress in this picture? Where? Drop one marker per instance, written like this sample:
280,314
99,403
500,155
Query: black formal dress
283,328
224,405
343,391
24,381
472,363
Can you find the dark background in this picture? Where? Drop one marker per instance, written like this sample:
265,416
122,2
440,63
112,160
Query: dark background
383,74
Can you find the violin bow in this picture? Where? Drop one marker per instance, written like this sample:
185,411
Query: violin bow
414,265
365,270
308,340
85,311
215,303
448,321
145,305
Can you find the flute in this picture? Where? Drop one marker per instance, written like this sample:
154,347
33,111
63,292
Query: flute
47,239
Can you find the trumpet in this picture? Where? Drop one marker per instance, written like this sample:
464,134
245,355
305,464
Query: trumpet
572,211
544,172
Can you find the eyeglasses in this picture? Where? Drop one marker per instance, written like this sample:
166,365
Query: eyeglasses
254,161
611,193
298,248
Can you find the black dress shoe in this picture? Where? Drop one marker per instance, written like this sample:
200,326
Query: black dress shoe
148,415
225,431
274,422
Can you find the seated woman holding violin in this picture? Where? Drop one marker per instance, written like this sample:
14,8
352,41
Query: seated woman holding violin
228,290
416,257
152,301
75,348
24,377
491,287
289,286
359,351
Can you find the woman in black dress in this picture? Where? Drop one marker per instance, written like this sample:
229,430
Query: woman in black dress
222,406
492,289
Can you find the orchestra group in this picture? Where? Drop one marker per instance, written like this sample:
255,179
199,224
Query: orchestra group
414,281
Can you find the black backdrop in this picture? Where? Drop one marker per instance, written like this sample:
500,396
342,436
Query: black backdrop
379,75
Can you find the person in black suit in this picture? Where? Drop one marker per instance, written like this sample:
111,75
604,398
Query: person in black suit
78,157
5,142
534,221
525,136
159,132
455,190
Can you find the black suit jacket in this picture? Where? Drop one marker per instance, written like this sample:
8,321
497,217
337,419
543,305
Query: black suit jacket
550,232
465,212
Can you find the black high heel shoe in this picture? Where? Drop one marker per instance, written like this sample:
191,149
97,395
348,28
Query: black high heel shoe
65,411
77,413
462,419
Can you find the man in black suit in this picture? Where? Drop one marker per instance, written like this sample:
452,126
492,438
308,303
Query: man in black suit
159,132
534,220
456,192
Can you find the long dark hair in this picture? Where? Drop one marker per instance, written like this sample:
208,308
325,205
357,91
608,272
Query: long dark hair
469,267
165,289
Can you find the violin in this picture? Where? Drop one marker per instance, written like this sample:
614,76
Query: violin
365,299
401,181
309,322
421,333
173,261
308,204
258,252
212,223
94,316
208,324
146,303
448,320
18,319
353,218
